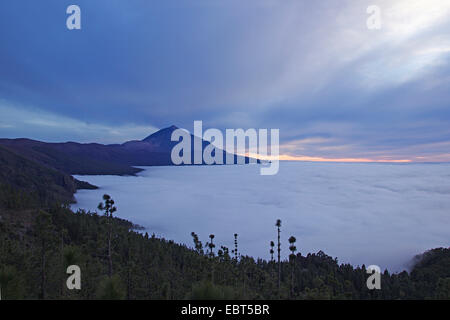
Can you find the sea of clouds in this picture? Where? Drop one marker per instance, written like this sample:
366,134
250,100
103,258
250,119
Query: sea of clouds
382,214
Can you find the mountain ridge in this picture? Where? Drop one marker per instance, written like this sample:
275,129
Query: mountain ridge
102,159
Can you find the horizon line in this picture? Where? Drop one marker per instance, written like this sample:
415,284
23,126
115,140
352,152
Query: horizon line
285,157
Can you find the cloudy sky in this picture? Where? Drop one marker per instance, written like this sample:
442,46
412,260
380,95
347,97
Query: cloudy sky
313,69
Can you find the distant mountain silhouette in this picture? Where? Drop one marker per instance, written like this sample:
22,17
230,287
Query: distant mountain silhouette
99,159
162,138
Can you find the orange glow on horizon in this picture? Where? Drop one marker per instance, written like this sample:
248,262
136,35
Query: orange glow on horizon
320,159
286,157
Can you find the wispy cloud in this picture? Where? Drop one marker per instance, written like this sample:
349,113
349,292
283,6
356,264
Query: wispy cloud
19,122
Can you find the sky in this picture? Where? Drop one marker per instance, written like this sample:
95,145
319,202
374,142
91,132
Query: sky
336,89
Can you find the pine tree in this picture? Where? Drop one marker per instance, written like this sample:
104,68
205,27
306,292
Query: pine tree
109,208
235,251
197,243
272,244
211,246
278,225
225,253
293,248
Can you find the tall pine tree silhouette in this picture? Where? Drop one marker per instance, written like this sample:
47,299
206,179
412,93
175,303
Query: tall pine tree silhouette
293,248
197,243
108,206
211,246
272,244
278,225
235,251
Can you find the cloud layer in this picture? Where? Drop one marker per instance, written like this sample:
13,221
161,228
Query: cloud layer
381,214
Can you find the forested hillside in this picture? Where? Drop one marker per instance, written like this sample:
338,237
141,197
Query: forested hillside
37,245
72,157
27,184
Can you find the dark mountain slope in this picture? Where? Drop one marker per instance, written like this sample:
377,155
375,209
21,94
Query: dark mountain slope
161,140
73,158
160,144
94,158
25,183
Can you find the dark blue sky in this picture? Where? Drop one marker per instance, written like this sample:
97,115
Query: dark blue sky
313,69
